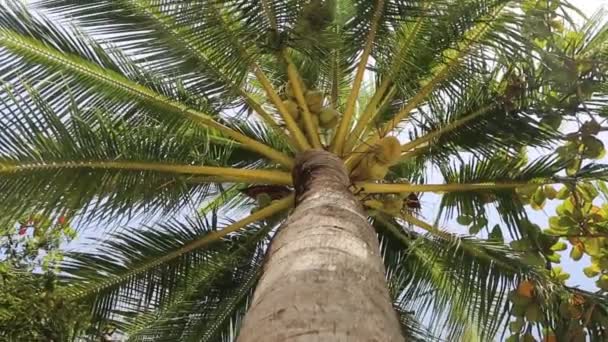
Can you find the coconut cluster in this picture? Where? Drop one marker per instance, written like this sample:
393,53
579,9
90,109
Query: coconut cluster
322,116
375,165
316,16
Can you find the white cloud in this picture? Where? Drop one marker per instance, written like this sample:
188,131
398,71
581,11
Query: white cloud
589,6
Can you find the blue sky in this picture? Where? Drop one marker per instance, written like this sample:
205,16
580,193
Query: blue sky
589,6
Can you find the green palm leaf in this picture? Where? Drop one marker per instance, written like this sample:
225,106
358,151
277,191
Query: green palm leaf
224,281
46,161
441,277
130,277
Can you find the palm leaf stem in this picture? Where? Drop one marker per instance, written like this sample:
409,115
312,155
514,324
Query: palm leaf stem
408,147
34,50
345,122
298,90
221,174
376,188
292,126
371,110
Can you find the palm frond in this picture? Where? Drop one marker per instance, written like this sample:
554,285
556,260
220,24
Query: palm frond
413,330
590,171
164,35
479,27
25,41
496,169
392,254
446,283
107,168
171,46
120,107
231,309
112,273
345,122
462,60
460,281
478,122
128,260
409,35
210,295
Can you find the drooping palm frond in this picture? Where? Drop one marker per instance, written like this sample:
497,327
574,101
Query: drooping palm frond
25,30
116,258
413,330
46,161
207,315
392,255
478,122
231,309
457,281
498,170
164,36
209,297
26,43
97,274
131,280
425,282
177,42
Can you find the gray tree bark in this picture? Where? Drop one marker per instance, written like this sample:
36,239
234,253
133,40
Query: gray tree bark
323,279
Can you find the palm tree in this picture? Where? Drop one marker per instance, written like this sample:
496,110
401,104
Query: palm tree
273,155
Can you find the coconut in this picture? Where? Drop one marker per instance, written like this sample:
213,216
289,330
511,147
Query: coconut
331,124
378,171
392,205
314,100
328,118
263,200
388,151
292,109
315,122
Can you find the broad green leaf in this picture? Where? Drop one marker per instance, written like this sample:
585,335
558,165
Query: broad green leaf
533,259
464,220
592,270
560,246
576,253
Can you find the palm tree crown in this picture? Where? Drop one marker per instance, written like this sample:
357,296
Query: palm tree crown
150,108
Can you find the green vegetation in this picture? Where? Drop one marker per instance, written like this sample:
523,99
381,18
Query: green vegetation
187,116
32,307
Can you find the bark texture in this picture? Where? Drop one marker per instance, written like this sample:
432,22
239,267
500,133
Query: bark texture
324,278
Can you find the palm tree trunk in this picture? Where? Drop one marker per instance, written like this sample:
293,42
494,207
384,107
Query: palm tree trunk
323,278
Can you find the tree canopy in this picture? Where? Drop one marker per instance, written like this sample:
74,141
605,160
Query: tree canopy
186,115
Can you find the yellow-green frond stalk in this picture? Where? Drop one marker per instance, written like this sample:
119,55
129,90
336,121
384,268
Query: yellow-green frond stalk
345,122
451,58
292,126
299,93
